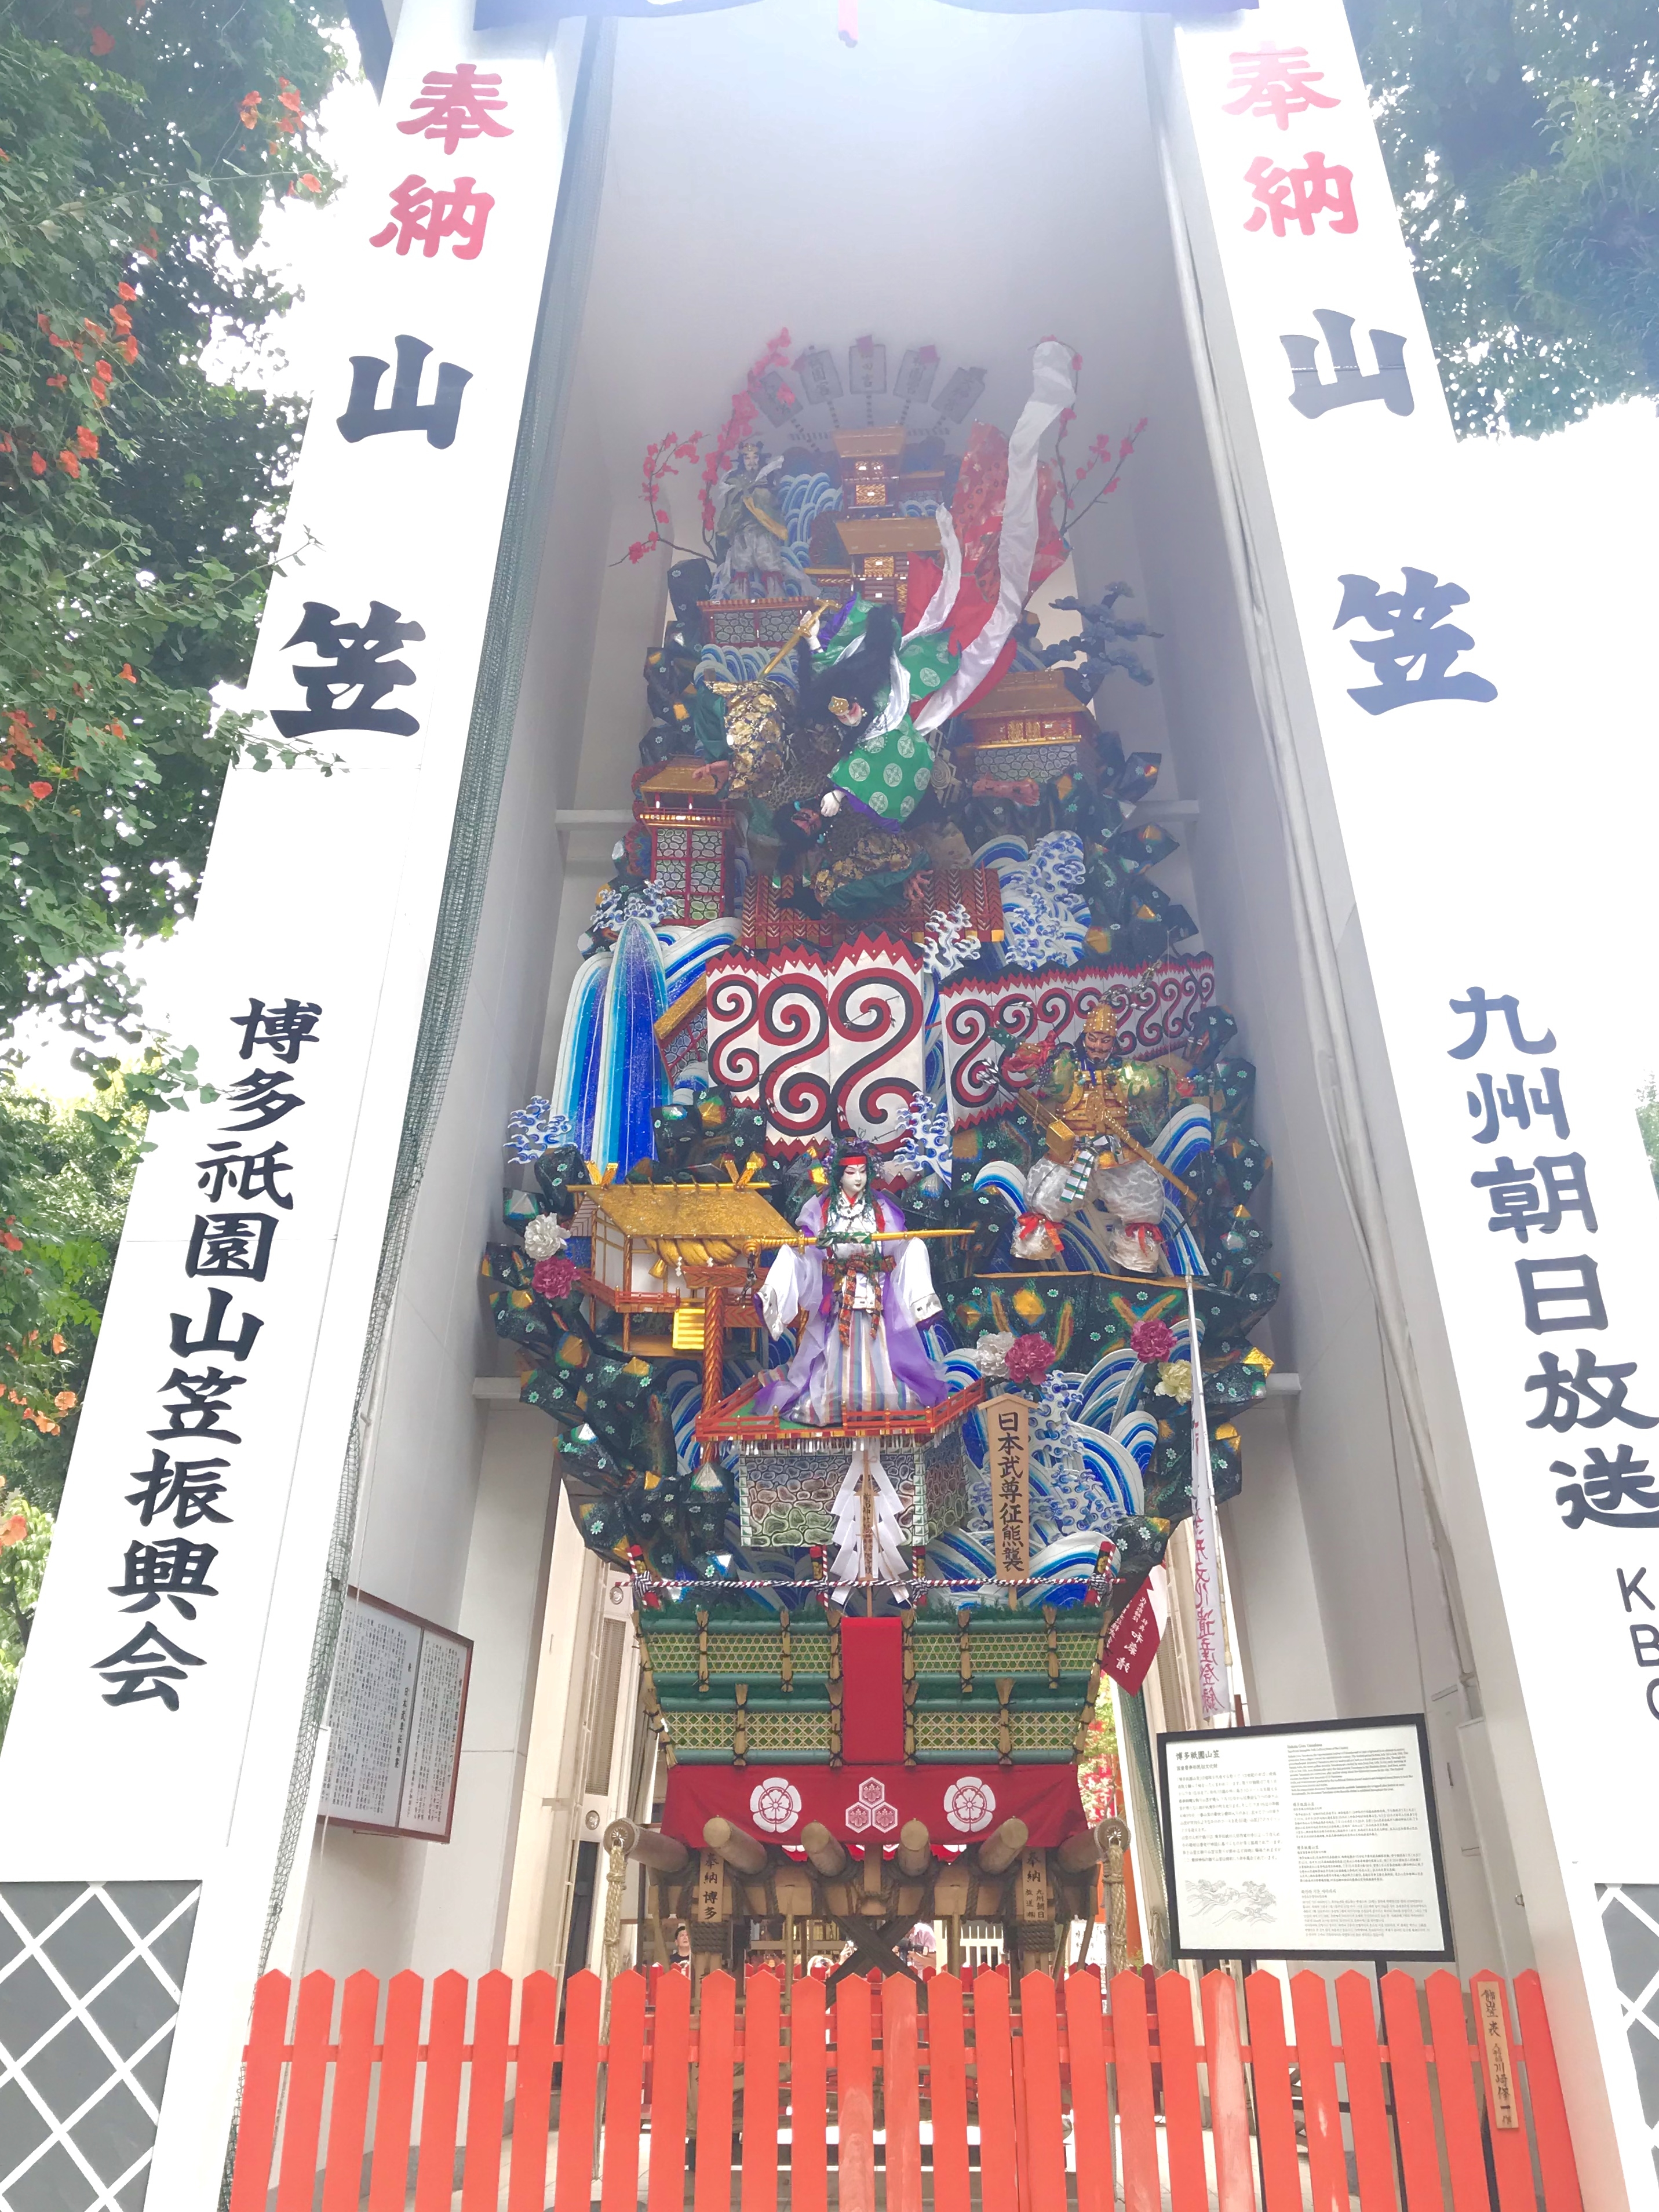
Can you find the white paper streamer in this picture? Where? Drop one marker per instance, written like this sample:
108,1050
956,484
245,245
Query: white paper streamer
1052,393
1215,1691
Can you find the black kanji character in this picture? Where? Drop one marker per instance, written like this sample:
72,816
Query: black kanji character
437,417
247,1174
1525,1199
1275,81
458,103
263,1095
279,1029
1606,1488
1480,1008
153,1661
1415,632
1579,1288
201,1399
358,651
231,1244
186,1489
213,1337
176,1570
1350,384
1488,1102
1567,1396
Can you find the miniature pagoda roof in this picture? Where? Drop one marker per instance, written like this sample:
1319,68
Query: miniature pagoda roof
863,536
686,776
1024,691
698,1210
885,444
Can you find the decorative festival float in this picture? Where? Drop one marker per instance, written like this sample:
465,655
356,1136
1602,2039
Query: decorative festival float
885,1252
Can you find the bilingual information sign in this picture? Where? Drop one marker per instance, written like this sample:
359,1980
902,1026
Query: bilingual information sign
1304,1840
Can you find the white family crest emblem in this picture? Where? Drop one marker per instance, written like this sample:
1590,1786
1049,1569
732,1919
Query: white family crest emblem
971,1804
774,1804
872,1810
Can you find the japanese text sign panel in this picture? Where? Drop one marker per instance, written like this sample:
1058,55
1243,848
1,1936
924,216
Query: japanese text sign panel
1306,1841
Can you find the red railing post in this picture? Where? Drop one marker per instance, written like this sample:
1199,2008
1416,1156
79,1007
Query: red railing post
308,2078
1367,2107
1414,2108
763,2059
262,2091
532,2092
348,2118
855,2110
578,2092
1511,2159
993,2069
486,2101
901,2077
1322,2112
1137,2116
441,2107
1459,2116
1045,2143
947,2087
624,2092
1092,2108
716,2037
1230,2105
394,2115
809,2097
1276,2111
1183,2122
671,2067
1557,2167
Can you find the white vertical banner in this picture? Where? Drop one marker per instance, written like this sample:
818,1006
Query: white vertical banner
159,1711
1432,671
1214,1685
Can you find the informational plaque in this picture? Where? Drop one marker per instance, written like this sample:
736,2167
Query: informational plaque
399,1702
1309,1840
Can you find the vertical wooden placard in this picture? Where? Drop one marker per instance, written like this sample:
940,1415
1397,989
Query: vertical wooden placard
1008,1438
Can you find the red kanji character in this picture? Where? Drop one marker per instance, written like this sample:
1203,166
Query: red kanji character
420,214
1276,80
1298,195
459,104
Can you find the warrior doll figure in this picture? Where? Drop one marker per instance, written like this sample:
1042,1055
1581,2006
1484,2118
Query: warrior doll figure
863,1287
750,535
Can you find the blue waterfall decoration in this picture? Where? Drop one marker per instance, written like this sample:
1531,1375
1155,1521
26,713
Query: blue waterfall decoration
632,1078
576,1081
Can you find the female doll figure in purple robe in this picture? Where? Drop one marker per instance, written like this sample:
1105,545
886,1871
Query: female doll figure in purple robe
860,1351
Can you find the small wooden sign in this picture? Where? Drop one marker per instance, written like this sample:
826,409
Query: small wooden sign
1008,1435
711,1898
1495,2042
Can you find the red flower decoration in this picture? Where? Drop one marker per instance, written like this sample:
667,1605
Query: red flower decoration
1151,1341
1029,1359
102,43
554,1277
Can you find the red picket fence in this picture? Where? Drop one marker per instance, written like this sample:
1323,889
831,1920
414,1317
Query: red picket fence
1066,2097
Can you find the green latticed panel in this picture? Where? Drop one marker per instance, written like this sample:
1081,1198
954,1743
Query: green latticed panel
972,1731
773,1732
738,1651
1005,1644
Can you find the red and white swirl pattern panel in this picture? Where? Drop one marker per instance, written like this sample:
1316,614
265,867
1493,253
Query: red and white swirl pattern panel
824,1041
1155,1006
